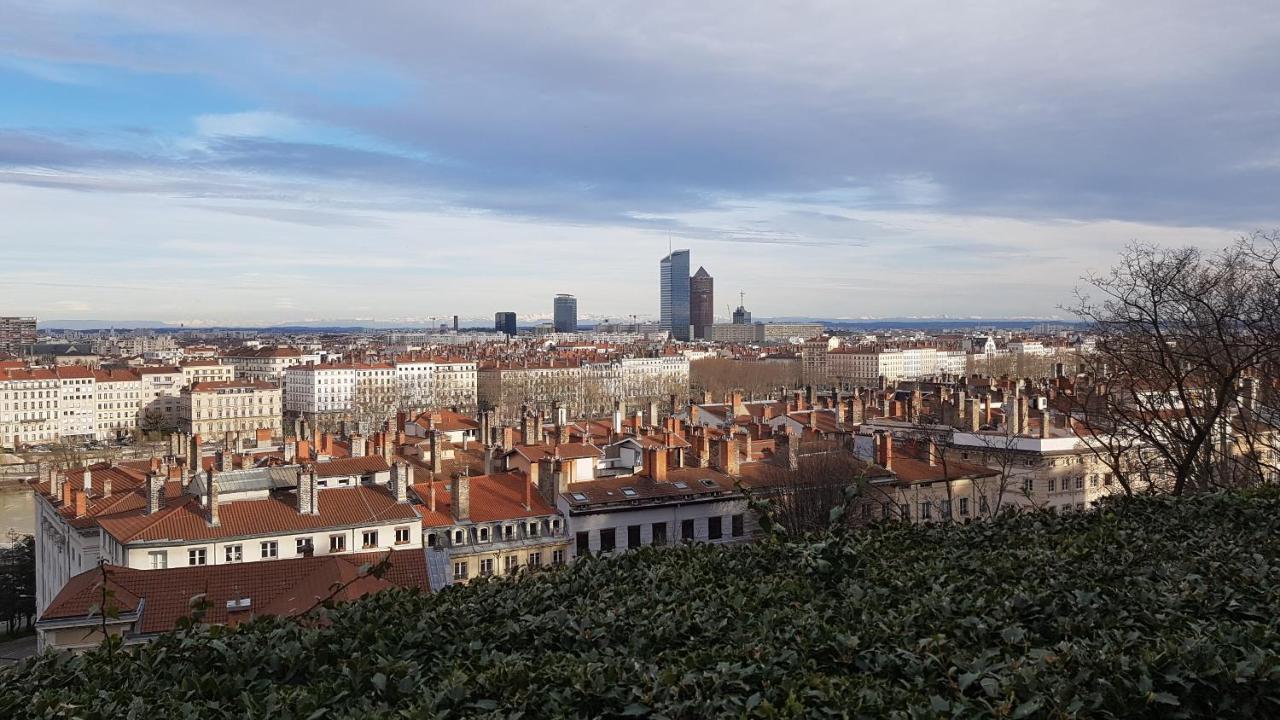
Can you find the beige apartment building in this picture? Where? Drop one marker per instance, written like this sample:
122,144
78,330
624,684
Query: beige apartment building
215,408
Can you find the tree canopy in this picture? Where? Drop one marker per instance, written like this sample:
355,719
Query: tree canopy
1156,607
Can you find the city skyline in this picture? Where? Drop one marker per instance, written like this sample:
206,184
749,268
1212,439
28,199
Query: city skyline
227,165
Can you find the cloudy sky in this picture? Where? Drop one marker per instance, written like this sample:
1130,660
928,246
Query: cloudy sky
257,162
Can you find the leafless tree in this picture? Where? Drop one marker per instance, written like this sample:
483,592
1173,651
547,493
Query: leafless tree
1179,333
756,378
801,499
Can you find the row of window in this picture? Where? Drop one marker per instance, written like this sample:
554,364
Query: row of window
658,534
484,534
510,564
270,549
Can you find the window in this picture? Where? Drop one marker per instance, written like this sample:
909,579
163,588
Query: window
509,532
337,543
926,511
510,564
369,539
905,511
303,546
196,556
659,534
486,567
159,559
269,549
964,507
402,535
234,553
535,559
607,537
714,531
458,537
431,539
735,525
1093,481
1027,486
1080,482
484,534
584,543
534,530
460,571
944,510
557,557
555,525
1053,482
686,530
633,536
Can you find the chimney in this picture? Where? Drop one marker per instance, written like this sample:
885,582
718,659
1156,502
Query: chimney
528,494
357,445
735,399
526,428
840,409
437,463
155,492
460,496
106,484
653,413
731,453
86,477
508,438
213,501
813,419
562,434
986,409
304,493
65,490
490,460
797,401
400,475
793,450
746,448
617,419
1024,414
402,419
637,422
1044,423
81,501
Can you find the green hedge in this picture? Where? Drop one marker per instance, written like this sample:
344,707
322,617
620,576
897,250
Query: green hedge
1158,608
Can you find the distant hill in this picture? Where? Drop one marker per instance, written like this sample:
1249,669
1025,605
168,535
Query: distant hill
1149,608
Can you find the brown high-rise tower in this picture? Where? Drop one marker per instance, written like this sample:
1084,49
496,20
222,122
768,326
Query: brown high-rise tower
702,314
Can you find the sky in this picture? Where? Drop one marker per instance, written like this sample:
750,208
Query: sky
253,163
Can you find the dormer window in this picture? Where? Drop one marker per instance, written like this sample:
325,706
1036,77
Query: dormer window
509,532
484,534
458,537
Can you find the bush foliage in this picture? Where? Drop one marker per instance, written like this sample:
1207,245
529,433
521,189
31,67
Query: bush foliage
1153,607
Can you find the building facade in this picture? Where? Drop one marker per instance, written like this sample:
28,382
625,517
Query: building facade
241,406
505,322
565,313
17,335
674,297
702,304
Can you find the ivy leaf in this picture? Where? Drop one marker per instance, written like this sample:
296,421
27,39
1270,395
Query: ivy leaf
1026,709
635,709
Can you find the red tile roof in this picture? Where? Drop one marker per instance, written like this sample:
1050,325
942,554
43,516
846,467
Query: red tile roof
273,587
184,519
494,498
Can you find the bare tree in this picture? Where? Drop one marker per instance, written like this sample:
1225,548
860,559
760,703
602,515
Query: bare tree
1179,332
802,499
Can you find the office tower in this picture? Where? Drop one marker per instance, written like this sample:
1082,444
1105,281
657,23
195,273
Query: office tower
17,335
505,322
702,303
675,294
455,323
566,313
741,316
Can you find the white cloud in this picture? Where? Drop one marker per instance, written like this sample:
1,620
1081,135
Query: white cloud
258,123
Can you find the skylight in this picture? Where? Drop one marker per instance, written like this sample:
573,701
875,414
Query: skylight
579,497
682,485
629,491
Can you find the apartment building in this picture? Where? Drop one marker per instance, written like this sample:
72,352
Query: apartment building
29,406
77,402
211,408
372,392
117,401
161,396
267,364
837,362
581,388
17,335
488,525
151,515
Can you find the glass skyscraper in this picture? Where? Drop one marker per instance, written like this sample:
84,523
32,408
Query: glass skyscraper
566,313
675,294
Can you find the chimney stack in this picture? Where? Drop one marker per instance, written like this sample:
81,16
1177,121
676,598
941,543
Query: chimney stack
460,496
793,450
400,475
617,419
213,500
437,463
155,492
87,479
81,502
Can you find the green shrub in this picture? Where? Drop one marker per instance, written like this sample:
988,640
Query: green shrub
1156,607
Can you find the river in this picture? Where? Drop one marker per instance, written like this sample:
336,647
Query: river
17,509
